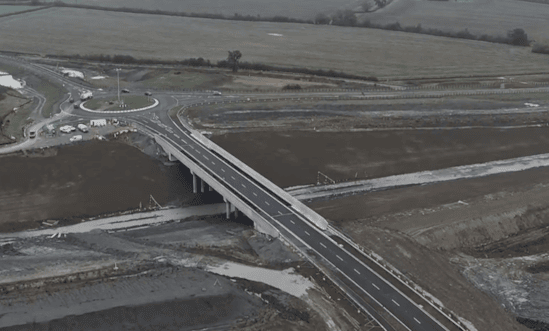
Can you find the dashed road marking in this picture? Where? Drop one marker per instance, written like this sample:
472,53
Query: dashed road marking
396,303
222,169
321,244
292,222
233,178
356,271
198,151
213,162
244,186
280,212
339,257
374,285
176,135
254,193
267,203
307,233
205,157
417,320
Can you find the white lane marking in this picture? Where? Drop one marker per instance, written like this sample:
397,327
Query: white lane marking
191,146
254,193
198,151
205,157
280,212
176,135
233,178
417,320
339,257
374,285
222,169
244,186
292,222
356,271
213,162
267,203
396,303
321,244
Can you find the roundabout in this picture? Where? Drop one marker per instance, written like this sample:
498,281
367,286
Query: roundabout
112,106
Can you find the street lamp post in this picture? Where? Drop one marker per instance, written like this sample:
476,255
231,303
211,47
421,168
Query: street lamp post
118,79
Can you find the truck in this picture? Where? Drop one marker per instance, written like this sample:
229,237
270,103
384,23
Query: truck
82,128
85,95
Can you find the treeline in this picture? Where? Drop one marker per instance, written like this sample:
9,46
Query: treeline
515,37
201,62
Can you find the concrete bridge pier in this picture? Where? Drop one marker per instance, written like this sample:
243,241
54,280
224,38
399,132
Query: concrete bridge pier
194,182
170,157
227,208
201,185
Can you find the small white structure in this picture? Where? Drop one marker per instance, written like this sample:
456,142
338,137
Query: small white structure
101,122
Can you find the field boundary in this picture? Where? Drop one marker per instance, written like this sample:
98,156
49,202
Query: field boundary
23,11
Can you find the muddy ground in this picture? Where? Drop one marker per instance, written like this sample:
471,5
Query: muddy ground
299,155
478,245
158,279
87,179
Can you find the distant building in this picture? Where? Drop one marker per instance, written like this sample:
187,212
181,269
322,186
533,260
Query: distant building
101,122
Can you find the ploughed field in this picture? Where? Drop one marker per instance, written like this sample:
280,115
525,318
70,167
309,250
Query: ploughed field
368,52
304,9
83,180
294,157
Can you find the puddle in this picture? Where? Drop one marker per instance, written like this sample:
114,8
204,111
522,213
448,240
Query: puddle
8,81
72,73
285,280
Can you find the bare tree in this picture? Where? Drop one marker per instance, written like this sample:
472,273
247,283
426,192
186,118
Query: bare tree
233,58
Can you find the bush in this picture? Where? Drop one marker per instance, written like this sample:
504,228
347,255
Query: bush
542,49
292,87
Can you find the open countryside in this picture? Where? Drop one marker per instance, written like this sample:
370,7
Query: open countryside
165,172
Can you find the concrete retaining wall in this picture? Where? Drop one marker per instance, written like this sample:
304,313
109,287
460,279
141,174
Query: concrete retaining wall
260,223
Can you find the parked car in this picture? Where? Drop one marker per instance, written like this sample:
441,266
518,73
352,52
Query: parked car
67,129
114,121
71,100
32,134
125,90
217,93
82,128
76,106
76,138
148,93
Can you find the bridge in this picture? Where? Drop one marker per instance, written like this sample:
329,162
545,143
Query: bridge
277,214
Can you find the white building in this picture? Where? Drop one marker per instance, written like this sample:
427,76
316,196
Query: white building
101,122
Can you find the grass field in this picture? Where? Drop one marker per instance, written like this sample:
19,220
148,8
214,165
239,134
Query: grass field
305,9
133,102
385,54
478,16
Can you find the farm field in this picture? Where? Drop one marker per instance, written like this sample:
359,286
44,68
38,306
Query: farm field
14,9
478,16
385,54
304,9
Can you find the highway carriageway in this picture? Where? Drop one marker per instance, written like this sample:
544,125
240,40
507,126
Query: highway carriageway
260,198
